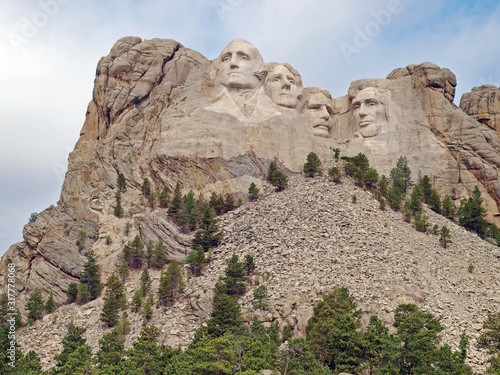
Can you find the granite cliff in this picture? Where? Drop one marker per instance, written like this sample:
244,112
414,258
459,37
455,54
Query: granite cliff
164,112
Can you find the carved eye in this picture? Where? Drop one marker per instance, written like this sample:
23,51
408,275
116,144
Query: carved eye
243,57
291,81
225,58
276,79
372,104
356,106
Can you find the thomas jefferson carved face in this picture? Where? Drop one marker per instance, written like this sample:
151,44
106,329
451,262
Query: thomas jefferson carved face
239,65
282,86
317,111
368,111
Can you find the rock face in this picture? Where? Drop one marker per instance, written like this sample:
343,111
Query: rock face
164,112
416,118
483,104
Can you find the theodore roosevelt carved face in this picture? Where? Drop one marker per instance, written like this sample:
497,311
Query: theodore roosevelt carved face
317,109
368,111
283,85
241,66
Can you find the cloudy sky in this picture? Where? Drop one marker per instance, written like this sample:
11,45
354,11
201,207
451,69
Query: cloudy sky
50,49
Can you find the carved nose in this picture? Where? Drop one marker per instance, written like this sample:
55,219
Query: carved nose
286,85
325,115
234,63
362,112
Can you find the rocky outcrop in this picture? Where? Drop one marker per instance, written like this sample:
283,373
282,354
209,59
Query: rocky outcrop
483,104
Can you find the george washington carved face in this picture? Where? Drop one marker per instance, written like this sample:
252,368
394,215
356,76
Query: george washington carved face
240,66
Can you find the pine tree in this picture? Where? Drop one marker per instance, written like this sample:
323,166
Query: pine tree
149,253
159,256
76,357
253,192
71,342
124,271
490,340
418,332
217,203
382,348
334,174
33,217
189,201
416,199
134,253
445,237
118,209
279,179
114,299
249,264
90,276
333,331
371,178
35,305
350,168
136,300
72,292
229,204
471,213
208,235
434,201
50,305
124,325
194,217
83,295
171,284
146,187
128,226
401,174
448,207
426,187
176,203
271,170
196,259
111,349
164,197
225,316
147,311
145,282
260,297
121,182
151,200
361,162
4,308
234,278
358,177
384,186
312,165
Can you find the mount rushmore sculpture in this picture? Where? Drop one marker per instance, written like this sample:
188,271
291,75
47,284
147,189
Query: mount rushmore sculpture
164,112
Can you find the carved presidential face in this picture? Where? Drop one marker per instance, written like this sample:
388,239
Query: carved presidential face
317,112
282,86
368,111
239,63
